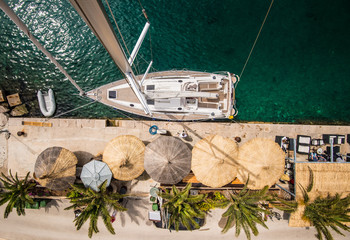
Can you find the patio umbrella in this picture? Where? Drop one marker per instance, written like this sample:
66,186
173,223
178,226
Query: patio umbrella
55,168
214,160
167,160
263,160
94,174
124,156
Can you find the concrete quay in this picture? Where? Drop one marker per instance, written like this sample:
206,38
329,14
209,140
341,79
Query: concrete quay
90,136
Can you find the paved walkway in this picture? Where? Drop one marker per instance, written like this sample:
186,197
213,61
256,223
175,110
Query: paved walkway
53,223
90,136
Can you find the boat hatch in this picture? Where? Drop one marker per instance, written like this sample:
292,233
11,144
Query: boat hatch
150,87
150,101
112,94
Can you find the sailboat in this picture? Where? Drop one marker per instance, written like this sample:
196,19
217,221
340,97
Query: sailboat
168,95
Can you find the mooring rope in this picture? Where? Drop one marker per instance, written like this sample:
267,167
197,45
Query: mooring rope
256,39
61,114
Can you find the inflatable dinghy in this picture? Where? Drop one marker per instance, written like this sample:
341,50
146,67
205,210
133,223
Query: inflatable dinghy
47,103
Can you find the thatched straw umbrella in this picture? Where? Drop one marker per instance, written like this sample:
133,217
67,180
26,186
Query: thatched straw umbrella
124,155
262,160
94,173
55,168
167,160
214,160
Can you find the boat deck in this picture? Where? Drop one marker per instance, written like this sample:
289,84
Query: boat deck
126,94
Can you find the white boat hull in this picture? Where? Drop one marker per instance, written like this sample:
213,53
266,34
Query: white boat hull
174,95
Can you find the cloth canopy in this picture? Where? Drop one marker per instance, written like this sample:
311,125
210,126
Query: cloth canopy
94,174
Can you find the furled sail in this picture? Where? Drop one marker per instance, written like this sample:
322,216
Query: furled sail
95,16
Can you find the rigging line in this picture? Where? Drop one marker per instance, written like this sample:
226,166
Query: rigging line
140,4
20,24
115,22
143,11
124,114
56,116
150,44
256,39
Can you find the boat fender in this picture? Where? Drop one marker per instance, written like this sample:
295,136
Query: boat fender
153,130
43,108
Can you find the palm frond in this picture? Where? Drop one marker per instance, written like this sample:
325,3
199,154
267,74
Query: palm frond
311,180
183,207
306,197
16,193
326,213
5,179
229,223
282,204
245,211
96,204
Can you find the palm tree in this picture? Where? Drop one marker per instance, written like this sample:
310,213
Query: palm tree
183,207
16,193
246,211
326,212
94,204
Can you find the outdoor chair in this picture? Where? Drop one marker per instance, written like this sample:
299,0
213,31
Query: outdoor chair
340,139
279,141
336,149
326,138
303,144
291,144
303,149
317,142
337,139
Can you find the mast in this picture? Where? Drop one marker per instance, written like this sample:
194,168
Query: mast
12,15
95,16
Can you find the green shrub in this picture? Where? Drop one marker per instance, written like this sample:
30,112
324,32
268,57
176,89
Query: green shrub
216,200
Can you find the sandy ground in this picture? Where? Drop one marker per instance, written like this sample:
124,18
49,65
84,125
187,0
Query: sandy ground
55,223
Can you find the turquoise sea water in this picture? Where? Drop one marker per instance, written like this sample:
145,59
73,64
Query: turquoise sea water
299,70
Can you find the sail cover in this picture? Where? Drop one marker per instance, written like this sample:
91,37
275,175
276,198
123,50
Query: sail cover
95,16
